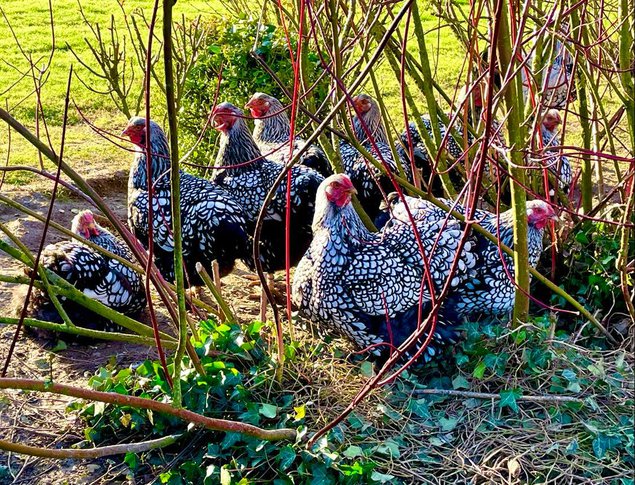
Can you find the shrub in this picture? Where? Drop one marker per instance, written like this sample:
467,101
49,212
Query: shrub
590,256
238,385
228,56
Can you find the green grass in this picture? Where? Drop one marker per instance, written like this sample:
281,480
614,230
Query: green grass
88,152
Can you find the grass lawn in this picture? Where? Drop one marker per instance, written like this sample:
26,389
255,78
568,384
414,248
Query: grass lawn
84,149
31,24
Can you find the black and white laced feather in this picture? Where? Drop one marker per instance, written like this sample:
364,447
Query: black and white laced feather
98,276
272,132
488,288
366,286
556,162
248,177
372,186
213,223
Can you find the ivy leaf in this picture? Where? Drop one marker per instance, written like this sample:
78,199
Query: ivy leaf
268,410
508,399
571,447
604,443
59,346
460,382
391,413
366,369
353,451
131,460
287,457
419,407
320,475
569,375
390,448
479,371
448,424
381,477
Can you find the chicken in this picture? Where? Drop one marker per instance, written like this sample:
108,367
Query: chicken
248,177
213,223
557,77
272,131
367,286
488,288
420,153
99,277
558,164
371,184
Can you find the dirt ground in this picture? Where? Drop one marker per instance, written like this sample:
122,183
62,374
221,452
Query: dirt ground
36,418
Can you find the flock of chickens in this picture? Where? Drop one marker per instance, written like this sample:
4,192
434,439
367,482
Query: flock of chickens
374,288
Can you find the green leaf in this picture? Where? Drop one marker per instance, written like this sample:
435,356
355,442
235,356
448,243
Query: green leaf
448,424
389,447
353,451
571,448
388,411
604,443
286,457
569,375
508,399
419,407
268,410
320,475
131,460
366,369
60,345
460,382
381,477
479,371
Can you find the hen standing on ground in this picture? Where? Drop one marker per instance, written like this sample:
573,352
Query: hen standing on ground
557,164
489,288
213,224
99,277
366,285
272,131
371,183
248,177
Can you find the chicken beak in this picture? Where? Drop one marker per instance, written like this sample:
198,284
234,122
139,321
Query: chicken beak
250,104
352,190
125,132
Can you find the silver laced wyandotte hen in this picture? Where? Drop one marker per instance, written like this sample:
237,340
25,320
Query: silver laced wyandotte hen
552,158
96,275
248,177
557,79
272,133
372,185
213,223
489,288
555,93
367,286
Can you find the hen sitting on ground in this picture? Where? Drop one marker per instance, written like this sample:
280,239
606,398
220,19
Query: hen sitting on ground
98,276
